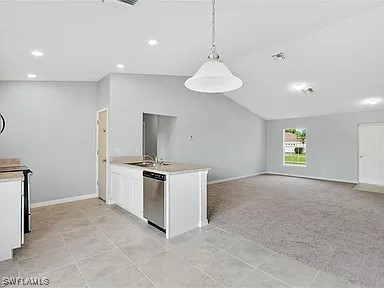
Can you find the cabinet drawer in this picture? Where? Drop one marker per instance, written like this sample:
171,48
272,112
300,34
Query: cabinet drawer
133,173
116,169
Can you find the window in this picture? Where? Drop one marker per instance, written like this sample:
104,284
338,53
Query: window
295,147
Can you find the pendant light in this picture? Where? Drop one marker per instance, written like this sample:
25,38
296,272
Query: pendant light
213,76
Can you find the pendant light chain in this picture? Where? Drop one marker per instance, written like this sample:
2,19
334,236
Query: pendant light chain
213,26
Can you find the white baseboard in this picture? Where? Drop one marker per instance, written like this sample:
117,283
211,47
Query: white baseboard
234,178
310,177
203,223
63,200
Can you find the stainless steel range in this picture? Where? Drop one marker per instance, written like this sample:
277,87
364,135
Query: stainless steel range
27,192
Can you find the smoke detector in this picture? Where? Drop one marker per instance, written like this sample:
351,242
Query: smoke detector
279,56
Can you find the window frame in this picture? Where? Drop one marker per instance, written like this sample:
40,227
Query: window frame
306,159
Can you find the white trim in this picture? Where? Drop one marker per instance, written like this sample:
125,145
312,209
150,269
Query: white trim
203,198
295,165
311,177
234,178
167,187
203,223
63,200
106,154
371,124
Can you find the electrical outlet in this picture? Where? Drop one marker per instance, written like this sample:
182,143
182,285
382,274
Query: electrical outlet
138,150
117,150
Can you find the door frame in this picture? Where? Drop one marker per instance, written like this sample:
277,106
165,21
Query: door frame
358,143
107,200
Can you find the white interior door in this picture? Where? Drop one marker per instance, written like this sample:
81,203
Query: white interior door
371,153
102,154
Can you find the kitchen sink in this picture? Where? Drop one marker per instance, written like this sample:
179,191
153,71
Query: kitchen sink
148,164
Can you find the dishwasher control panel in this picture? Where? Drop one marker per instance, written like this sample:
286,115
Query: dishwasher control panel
153,175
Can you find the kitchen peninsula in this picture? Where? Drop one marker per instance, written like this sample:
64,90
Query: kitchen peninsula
11,213
171,196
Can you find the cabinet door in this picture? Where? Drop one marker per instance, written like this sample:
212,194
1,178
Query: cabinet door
137,197
125,198
115,187
125,192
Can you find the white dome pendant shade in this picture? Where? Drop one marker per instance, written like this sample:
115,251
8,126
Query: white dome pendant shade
213,76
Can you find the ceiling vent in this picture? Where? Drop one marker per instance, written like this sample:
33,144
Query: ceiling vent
279,56
120,3
130,2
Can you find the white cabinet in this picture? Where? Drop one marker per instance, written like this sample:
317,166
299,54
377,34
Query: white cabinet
137,197
127,190
11,215
125,195
115,187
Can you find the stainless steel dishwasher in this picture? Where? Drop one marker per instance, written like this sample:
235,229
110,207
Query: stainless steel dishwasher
154,210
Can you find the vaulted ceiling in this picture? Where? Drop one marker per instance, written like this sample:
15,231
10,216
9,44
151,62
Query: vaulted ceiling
334,46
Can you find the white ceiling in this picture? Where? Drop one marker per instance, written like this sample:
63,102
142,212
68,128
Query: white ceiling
333,45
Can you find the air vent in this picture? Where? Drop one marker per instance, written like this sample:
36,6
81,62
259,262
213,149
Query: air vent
130,2
279,56
120,3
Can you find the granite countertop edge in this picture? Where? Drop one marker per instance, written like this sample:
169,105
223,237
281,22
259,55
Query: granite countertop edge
11,177
183,168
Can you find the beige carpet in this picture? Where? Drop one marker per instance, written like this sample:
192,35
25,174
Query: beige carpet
326,225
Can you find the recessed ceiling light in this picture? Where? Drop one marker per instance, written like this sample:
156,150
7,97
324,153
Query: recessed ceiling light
31,75
120,66
300,86
372,101
37,53
153,42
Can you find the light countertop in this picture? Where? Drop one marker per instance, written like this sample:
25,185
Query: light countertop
9,162
11,177
172,168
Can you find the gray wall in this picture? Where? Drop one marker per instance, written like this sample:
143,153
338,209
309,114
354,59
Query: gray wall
332,145
150,135
227,137
104,92
166,137
51,127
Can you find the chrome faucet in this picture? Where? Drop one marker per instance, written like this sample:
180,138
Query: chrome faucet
150,157
153,157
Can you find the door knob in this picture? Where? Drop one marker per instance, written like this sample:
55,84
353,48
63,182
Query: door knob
104,160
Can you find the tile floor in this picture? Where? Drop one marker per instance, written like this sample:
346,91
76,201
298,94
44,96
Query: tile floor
91,244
